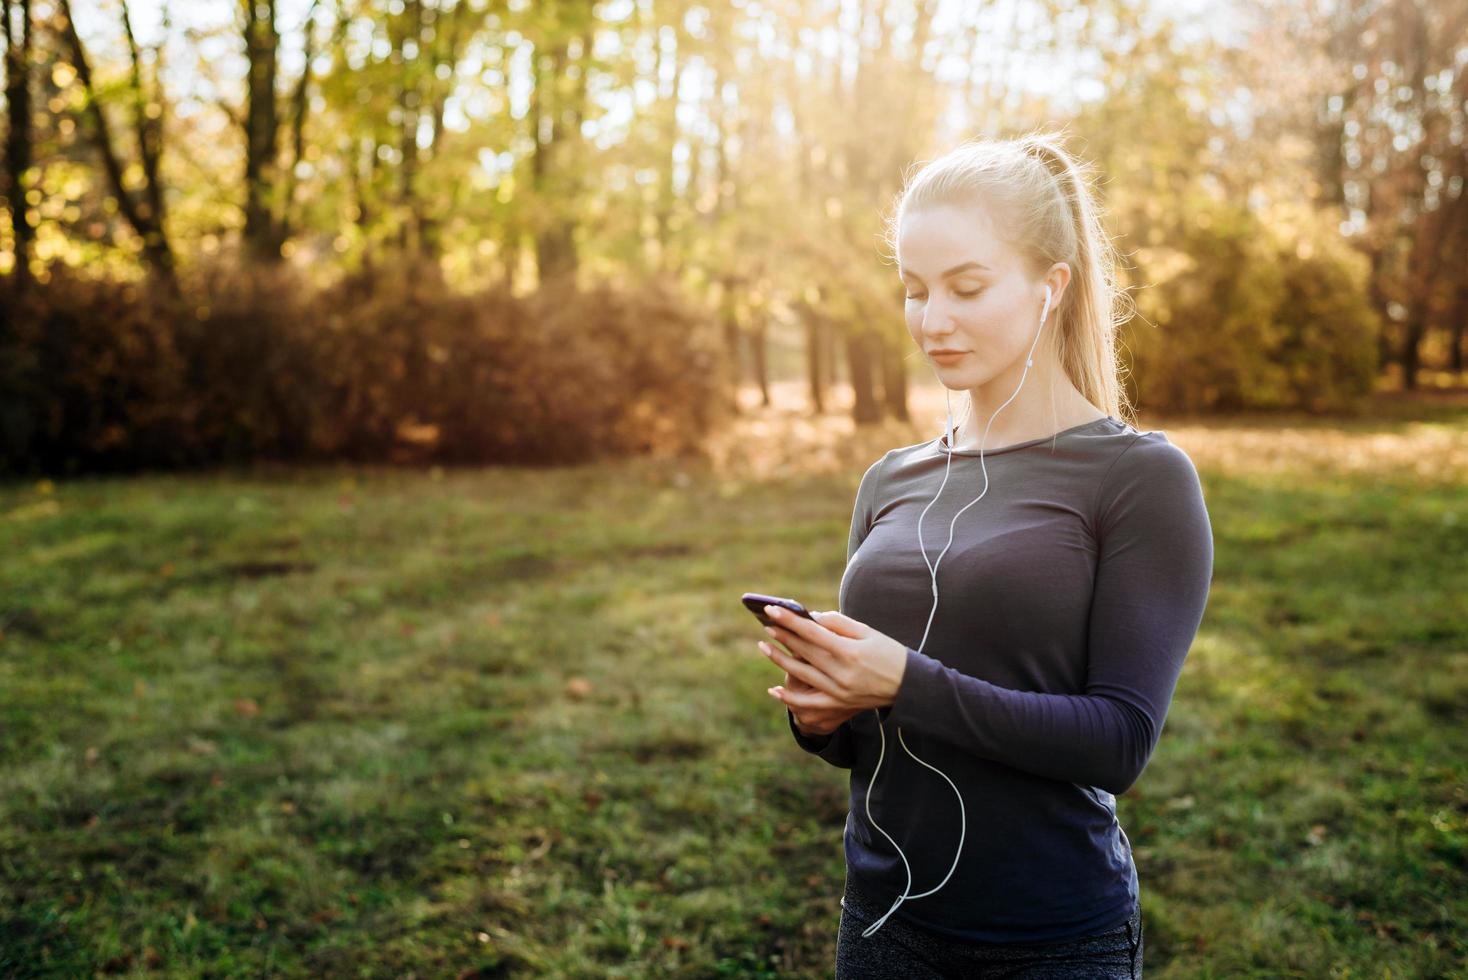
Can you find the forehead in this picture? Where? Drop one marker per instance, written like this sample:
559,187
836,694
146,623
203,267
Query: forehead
931,240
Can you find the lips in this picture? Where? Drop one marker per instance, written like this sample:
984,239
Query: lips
947,355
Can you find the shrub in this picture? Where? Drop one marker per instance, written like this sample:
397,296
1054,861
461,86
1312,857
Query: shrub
1252,316
389,367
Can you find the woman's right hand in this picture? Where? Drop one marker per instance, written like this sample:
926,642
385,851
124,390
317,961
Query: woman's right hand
815,722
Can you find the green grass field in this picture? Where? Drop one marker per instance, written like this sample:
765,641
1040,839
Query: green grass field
502,722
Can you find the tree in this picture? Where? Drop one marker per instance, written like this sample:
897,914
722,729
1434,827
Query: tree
1391,108
18,136
143,212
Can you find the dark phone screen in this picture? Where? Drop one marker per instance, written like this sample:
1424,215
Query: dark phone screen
755,602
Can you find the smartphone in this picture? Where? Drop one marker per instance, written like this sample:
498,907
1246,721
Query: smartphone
755,602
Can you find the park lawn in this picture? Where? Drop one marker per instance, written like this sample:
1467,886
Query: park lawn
512,722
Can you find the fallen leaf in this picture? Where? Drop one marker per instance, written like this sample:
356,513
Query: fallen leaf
542,847
246,707
201,746
579,687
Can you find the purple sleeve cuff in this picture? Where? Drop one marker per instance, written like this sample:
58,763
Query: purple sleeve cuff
916,695
835,748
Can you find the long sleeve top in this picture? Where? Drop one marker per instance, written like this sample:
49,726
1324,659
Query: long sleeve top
1067,603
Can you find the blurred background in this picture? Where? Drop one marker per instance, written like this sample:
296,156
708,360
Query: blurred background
397,395
382,231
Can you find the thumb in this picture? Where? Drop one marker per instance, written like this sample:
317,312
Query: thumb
842,624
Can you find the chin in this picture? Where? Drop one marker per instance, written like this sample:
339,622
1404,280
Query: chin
955,378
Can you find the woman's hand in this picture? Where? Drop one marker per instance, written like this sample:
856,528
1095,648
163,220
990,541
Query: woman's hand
847,666
816,722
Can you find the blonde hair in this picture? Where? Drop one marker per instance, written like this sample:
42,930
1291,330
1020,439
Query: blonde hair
1038,193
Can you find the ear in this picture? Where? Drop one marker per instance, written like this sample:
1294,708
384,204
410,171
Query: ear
1058,278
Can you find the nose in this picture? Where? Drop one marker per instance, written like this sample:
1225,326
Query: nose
936,320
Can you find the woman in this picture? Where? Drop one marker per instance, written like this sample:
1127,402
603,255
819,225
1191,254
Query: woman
1072,586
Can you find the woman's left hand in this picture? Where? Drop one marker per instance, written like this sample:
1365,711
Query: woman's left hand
850,664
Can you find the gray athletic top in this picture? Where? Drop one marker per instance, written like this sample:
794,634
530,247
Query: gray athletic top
1066,606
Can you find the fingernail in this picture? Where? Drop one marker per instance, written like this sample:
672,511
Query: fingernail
770,630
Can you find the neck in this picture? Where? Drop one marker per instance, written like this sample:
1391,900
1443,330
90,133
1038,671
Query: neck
1047,402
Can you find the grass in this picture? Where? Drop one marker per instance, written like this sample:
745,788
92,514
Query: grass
512,722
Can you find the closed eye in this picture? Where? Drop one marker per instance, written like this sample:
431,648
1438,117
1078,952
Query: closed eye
956,293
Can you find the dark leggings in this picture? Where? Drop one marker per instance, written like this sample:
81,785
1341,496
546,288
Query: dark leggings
899,949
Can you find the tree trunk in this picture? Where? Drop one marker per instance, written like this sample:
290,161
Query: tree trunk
510,257
18,137
1411,354
730,319
145,221
865,408
262,41
451,24
894,381
408,101
553,160
364,176
814,359
666,110
758,351
148,122
1384,353
829,351
299,103
1456,323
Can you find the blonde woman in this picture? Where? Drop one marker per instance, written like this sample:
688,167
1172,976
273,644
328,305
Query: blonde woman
1019,596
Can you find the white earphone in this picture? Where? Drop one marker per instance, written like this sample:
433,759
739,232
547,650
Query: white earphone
933,573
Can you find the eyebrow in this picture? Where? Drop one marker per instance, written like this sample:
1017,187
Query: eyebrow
952,271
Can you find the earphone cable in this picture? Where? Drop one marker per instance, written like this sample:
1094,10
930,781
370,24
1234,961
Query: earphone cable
933,574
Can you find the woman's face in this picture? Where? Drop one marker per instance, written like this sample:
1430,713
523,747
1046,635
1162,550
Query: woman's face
969,291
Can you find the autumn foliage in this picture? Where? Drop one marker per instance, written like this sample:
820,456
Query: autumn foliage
395,367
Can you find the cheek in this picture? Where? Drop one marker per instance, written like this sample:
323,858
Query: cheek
969,316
